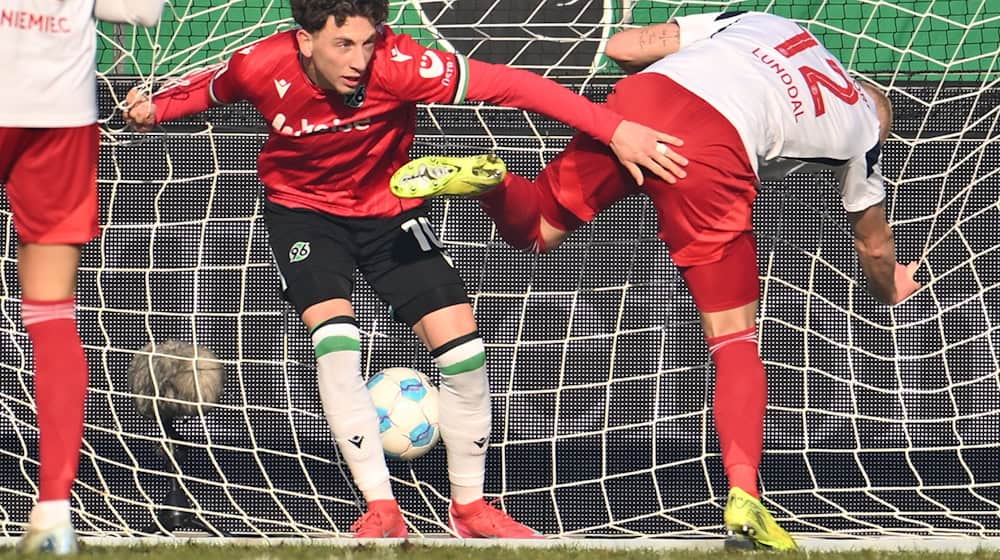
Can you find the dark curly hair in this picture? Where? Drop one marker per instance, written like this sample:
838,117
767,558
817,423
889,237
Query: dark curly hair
311,15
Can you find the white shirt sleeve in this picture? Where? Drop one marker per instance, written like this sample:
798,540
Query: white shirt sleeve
137,12
861,184
702,26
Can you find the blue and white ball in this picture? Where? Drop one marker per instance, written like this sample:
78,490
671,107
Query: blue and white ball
407,406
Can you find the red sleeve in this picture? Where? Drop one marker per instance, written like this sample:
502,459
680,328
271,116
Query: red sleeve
409,71
192,93
511,87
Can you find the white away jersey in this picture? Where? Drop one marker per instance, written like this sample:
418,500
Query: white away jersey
791,101
48,48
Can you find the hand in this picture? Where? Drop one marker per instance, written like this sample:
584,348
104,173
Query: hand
637,145
904,282
139,113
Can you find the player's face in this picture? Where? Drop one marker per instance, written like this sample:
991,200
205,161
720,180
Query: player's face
338,56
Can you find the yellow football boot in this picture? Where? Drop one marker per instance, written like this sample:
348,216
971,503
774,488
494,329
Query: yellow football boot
751,526
447,176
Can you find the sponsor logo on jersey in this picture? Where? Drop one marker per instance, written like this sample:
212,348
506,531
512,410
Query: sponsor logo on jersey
279,124
32,21
299,252
787,82
282,87
398,56
431,65
449,73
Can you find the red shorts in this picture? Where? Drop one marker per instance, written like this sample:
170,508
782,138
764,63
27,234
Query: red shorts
730,282
51,182
701,216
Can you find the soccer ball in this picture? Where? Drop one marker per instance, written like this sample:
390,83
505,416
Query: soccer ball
407,406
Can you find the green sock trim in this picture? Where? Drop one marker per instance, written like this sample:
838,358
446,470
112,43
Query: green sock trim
466,365
337,344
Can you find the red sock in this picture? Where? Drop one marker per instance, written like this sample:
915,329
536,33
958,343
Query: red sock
515,208
740,401
60,389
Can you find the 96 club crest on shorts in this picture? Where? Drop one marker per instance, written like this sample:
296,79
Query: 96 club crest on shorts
401,257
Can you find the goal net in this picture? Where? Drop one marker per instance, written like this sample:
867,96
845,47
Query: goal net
880,421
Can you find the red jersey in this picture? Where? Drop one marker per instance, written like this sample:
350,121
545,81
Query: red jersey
334,153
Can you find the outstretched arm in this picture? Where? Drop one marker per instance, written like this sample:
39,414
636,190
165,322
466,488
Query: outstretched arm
863,194
137,12
193,93
182,97
635,49
634,145
889,281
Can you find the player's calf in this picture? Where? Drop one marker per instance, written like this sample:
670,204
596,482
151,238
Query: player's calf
448,176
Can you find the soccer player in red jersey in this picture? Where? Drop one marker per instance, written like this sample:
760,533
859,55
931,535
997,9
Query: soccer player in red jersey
757,97
340,95
48,164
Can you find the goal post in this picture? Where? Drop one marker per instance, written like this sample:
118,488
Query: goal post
880,421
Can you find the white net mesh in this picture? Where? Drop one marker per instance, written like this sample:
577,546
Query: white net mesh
880,420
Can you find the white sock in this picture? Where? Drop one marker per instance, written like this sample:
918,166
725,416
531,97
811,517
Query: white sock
348,406
49,514
465,414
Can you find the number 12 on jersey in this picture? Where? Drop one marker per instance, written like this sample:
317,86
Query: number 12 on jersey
815,78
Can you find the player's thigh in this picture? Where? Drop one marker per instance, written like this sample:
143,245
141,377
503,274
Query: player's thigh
701,215
584,179
408,268
11,145
313,255
52,186
728,284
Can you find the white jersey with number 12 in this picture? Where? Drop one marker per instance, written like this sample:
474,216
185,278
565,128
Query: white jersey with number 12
792,102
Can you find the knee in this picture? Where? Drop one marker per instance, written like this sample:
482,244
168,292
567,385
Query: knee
724,323
538,243
548,237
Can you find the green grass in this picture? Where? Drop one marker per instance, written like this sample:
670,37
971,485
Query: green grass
416,552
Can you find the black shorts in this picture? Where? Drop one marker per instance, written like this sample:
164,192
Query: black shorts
400,257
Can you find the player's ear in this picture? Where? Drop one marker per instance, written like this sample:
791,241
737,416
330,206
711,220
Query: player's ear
305,41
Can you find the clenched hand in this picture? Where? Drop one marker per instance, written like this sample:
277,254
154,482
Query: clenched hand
139,112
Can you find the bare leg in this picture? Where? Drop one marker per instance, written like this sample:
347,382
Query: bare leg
516,208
